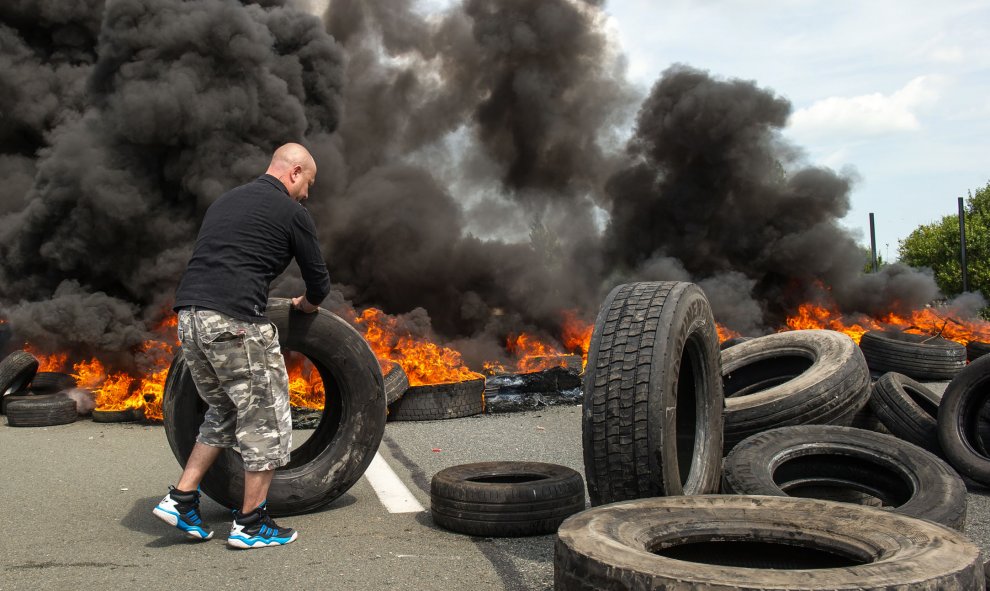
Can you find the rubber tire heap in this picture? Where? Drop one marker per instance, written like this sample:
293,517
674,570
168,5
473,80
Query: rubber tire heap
16,372
908,409
440,401
703,542
921,357
396,383
799,377
501,499
340,448
959,421
652,414
908,479
41,410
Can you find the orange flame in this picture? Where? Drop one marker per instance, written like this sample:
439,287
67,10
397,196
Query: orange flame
424,362
925,321
725,333
577,335
305,384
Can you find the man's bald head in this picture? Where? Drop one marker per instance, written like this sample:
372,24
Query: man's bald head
295,167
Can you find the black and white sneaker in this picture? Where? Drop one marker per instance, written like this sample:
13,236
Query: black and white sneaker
181,509
258,530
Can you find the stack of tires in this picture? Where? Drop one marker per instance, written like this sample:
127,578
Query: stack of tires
30,398
809,501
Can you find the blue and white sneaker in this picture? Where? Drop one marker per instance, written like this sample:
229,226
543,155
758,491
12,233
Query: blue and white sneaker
257,530
182,511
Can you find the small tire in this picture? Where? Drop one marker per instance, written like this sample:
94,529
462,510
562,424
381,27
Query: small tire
908,409
652,411
799,377
41,410
396,383
16,372
959,421
904,477
921,357
128,415
440,401
753,543
51,382
505,499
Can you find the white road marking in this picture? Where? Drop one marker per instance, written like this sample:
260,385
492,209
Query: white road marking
390,490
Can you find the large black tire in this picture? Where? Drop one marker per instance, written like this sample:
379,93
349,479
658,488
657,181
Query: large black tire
908,409
440,401
959,421
503,499
793,461
51,382
340,448
396,383
130,415
755,543
652,415
799,377
42,410
975,350
921,357
16,372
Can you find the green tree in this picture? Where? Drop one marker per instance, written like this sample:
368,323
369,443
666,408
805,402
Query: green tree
936,246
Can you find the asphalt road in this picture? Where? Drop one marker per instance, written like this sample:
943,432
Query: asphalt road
76,506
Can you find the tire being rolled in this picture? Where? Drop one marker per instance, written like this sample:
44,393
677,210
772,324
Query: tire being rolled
922,357
440,401
959,421
652,410
41,410
505,499
341,447
758,543
798,377
905,478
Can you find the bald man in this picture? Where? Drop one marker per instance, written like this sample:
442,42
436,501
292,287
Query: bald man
248,237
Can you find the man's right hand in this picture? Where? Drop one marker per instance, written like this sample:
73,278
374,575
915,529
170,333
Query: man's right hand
302,304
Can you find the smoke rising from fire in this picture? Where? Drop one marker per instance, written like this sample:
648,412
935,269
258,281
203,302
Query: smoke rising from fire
474,174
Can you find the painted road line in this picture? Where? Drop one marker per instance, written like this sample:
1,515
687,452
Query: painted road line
390,490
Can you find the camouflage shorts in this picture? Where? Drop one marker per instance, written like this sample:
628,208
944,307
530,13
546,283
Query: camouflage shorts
239,371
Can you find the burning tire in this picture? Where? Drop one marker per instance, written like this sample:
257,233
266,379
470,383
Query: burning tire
961,429
921,357
129,415
908,409
799,377
652,416
396,383
505,499
16,372
341,447
729,543
51,382
440,401
41,410
801,461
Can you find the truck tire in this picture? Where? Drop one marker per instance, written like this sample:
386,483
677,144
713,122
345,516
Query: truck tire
652,411
440,401
959,421
51,382
908,409
341,447
904,477
504,499
396,383
921,357
16,372
799,377
753,543
41,410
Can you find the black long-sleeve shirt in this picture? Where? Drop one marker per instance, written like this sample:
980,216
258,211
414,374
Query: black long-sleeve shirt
248,237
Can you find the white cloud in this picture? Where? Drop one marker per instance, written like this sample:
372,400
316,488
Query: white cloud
868,114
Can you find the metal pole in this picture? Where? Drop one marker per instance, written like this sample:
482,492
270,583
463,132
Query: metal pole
962,245
873,245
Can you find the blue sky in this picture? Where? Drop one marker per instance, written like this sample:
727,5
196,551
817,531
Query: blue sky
898,92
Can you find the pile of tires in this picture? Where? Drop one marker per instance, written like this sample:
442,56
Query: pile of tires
32,399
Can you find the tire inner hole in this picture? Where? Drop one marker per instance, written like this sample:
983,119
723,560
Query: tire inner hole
843,478
686,412
760,554
764,374
507,478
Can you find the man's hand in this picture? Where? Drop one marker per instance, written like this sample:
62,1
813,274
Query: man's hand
302,304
